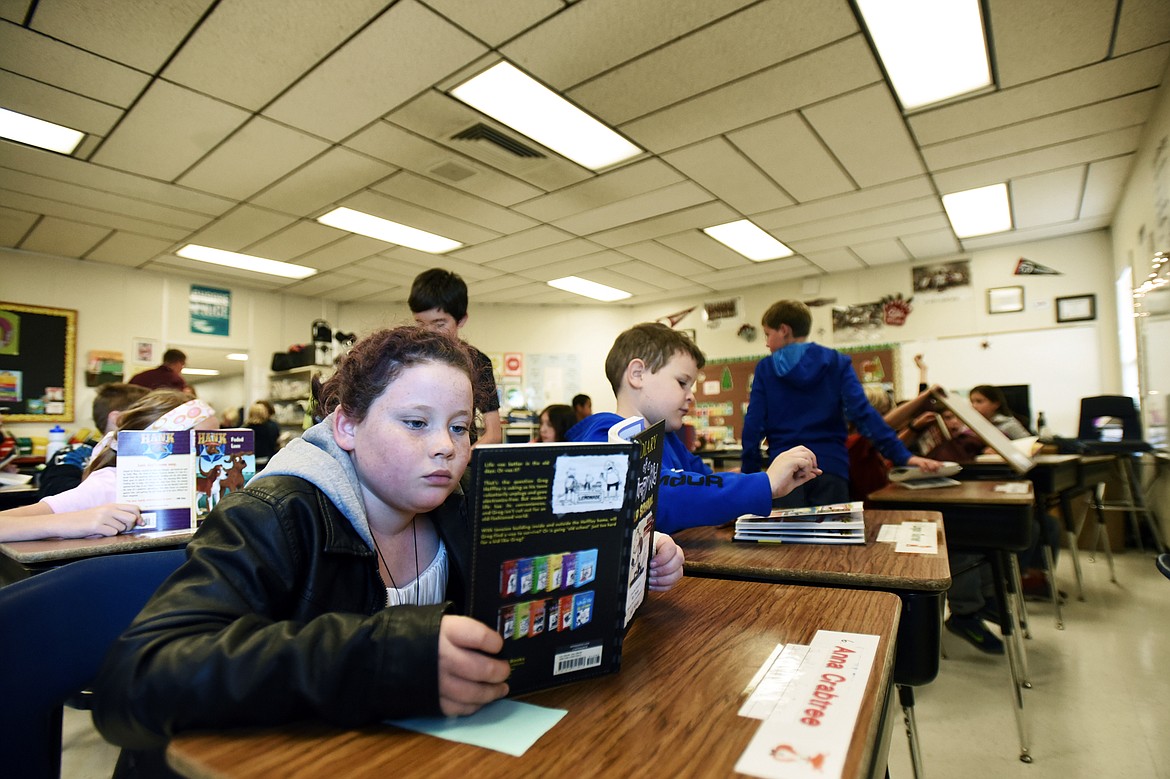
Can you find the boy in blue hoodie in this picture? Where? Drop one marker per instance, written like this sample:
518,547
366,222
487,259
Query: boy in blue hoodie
808,393
652,370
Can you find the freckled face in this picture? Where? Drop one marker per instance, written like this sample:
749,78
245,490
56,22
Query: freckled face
439,321
983,405
413,445
669,393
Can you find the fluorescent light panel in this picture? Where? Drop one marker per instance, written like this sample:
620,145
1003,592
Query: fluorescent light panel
507,95
238,357
245,262
589,289
38,132
749,240
979,211
200,372
385,230
932,49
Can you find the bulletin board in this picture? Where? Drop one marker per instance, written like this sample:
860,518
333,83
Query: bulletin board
37,350
877,364
721,394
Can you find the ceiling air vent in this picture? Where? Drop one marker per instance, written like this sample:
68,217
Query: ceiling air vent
481,132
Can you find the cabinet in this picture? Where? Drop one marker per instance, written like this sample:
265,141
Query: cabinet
289,392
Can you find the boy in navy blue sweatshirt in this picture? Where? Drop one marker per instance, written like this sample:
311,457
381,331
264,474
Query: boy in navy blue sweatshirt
652,370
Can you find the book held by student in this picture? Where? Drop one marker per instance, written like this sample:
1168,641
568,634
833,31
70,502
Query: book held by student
562,541
835,523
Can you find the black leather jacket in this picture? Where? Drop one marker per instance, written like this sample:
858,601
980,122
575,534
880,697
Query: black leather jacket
278,614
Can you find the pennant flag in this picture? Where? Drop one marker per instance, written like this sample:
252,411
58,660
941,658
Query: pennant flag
1026,267
675,318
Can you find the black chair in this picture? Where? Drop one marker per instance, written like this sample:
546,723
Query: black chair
57,628
1098,433
1163,563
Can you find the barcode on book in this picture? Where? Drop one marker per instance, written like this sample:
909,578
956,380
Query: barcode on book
577,660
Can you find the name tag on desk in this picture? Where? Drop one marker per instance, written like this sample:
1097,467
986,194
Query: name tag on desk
917,538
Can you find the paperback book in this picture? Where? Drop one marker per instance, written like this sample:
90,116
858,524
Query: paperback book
835,523
563,535
176,477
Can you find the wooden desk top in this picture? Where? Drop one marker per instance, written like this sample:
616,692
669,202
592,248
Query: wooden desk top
966,492
670,711
56,549
872,565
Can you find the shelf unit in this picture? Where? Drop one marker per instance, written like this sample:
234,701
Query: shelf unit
289,393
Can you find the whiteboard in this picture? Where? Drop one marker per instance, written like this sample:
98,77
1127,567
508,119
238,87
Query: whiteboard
1061,365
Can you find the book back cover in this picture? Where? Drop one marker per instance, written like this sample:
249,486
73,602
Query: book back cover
156,473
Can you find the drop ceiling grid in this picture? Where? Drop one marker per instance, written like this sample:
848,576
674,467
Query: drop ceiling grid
63,237
699,246
347,248
1104,185
1042,37
792,155
576,266
289,243
931,243
520,261
71,211
650,274
835,260
610,278
727,173
57,105
665,258
894,212
882,252
1141,23
401,54
1047,198
873,233
468,270
848,203
623,182
526,240
668,199
125,248
495,28
243,226
404,212
322,181
695,217
453,202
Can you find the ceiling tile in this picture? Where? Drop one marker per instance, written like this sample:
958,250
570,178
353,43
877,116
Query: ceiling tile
577,266
63,237
23,202
407,213
272,44
396,57
522,261
835,260
15,10
728,174
666,259
261,152
1047,198
294,241
757,274
1014,237
931,243
1043,37
167,131
453,202
42,101
785,87
876,151
1141,23
322,182
495,28
792,155
14,225
241,227
415,153
881,252
52,62
524,241
880,215
733,47
470,271
1104,185
651,204
123,248
1073,153
325,283
1102,81
605,33
141,35
872,233
341,252
694,217
848,203
210,274
649,274
705,249
1046,131
621,281
624,182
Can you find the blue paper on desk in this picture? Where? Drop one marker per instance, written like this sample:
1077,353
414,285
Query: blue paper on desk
506,726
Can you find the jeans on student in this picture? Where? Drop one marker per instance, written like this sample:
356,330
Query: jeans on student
972,583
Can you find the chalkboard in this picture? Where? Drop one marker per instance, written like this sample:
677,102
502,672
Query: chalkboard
37,348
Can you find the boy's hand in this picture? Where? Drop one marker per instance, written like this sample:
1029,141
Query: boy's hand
666,567
792,468
468,676
925,463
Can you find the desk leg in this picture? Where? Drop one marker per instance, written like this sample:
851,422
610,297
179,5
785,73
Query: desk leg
1102,529
906,697
1072,531
1052,588
1017,584
1001,566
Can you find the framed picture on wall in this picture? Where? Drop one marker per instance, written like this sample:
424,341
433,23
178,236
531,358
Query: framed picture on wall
1005,300
1076,308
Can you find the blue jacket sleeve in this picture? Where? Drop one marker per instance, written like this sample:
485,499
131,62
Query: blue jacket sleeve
690,495
868,421
754,421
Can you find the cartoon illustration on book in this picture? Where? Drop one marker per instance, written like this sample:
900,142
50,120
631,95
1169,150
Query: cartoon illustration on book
591,493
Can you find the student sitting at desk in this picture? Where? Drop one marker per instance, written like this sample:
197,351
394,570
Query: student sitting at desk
89,508
652,369
288,606
555,421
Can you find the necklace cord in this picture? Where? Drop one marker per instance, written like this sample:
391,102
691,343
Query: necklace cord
378,549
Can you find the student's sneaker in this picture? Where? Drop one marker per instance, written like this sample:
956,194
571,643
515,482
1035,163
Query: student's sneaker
972,630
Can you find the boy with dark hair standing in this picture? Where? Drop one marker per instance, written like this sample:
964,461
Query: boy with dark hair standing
582,405
652,370
438,300
808,393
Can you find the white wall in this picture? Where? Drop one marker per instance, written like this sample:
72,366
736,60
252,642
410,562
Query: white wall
115,305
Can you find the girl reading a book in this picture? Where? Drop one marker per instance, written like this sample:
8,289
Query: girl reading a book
328,587
90,508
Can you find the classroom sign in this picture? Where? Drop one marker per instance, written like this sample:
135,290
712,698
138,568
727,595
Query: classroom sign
211,310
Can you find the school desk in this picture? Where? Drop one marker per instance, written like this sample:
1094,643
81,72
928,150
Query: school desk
670,711
22,559
919,580
995,518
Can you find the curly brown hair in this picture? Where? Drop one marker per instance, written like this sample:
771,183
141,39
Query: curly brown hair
369,367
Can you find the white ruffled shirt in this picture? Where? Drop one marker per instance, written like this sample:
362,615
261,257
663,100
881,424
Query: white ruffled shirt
431,584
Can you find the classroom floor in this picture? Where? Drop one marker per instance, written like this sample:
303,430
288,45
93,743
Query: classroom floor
1099,705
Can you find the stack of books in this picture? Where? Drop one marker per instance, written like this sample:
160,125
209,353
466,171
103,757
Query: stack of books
836,523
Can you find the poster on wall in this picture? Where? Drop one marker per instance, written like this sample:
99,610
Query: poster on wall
211,310
877,365
942,281
859,322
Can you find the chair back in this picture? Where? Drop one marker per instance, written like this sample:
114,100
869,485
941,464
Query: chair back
1117,407
1163,563
57,627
